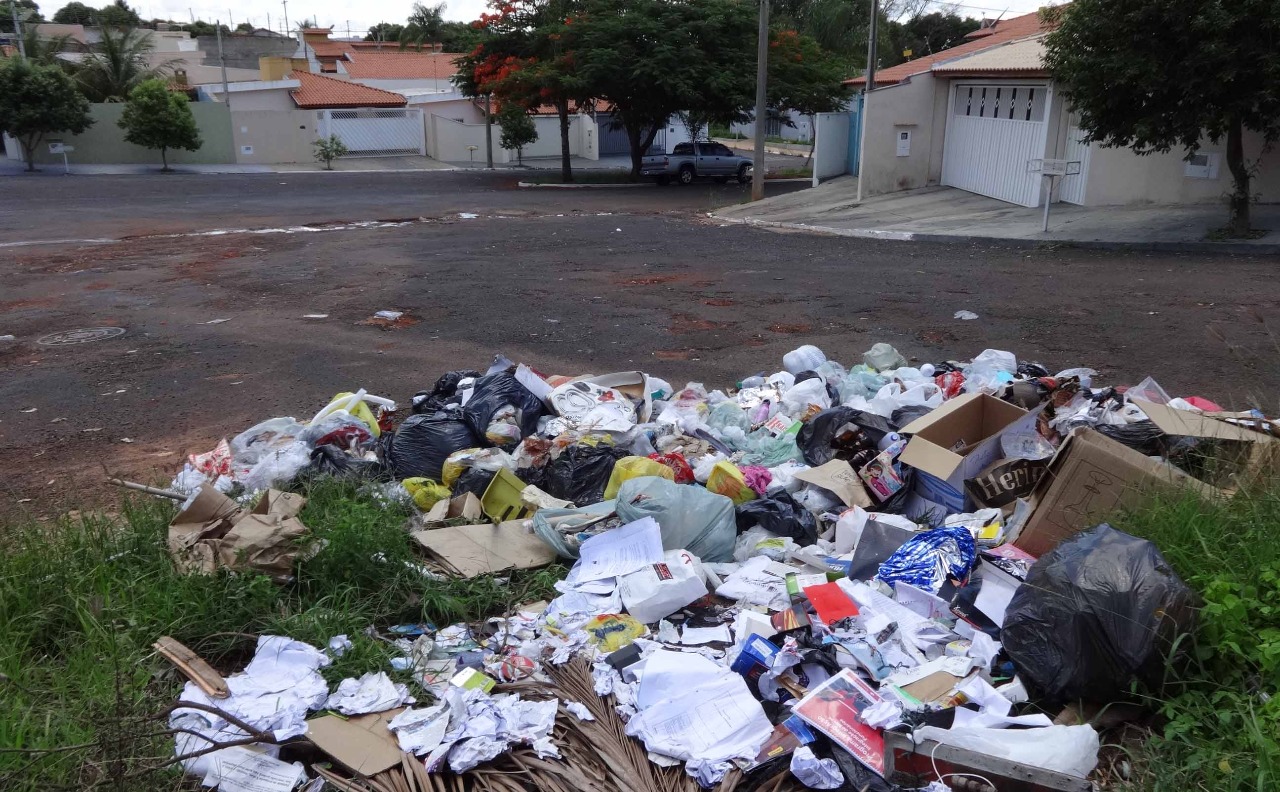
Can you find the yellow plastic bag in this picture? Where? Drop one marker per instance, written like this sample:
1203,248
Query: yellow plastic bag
455,464
425,492
634,467
727,480
360,411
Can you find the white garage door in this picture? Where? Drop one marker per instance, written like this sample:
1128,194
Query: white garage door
993,130
375,132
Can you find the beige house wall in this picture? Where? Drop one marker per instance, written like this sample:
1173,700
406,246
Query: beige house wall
918,105
268,137
104,144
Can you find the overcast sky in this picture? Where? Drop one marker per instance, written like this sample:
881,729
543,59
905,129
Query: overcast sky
359,16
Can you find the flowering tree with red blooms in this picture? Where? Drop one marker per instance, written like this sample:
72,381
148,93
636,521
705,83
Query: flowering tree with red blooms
527,57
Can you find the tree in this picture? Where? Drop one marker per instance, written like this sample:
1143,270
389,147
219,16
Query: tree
385,31
528,56
244,27
518,129
74,13
45,50
329,149
28,14
459,37
118,15
119,64
1152,75
934,32
651,59
804,78
38,100
202,28
156,117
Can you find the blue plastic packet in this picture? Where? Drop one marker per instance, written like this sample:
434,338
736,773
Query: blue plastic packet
927,559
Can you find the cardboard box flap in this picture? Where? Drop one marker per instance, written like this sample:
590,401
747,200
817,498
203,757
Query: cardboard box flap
466,506
1184,423
362,744
943,438
838,477
474,550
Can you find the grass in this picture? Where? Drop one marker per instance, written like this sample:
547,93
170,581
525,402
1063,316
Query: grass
603,176
790,173
1219,718
81,603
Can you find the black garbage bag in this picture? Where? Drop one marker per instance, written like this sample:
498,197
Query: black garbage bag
581,473
445,389
817,437
905,415
473,480
329,460
1142,436
492,393
1031,370
423,442
1097,611
781,515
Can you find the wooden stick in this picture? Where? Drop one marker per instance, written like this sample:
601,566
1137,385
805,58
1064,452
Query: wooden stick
193,667
133,485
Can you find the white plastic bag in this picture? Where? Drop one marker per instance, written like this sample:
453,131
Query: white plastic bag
659,590
1066,749
805,358
804,396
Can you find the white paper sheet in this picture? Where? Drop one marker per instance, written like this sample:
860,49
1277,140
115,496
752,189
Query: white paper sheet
994,596
920,601
241,770
666,674
713,722
696,636
621,550
420,730
373,692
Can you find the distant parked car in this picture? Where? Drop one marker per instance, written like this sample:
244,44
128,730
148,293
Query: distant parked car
689,161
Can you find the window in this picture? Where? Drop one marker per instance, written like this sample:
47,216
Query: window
722,150
683,148
1008,102
1202,166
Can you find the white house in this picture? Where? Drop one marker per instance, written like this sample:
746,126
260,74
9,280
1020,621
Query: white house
973,117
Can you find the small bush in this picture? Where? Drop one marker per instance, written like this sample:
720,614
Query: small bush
329,149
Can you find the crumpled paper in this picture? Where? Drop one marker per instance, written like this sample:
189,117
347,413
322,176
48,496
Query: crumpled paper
813,772
373,692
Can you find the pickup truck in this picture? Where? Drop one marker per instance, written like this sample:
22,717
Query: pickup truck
688,161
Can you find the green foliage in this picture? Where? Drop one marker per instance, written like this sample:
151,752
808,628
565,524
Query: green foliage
28,14
37,100
119,15
329,149
45,50
518,129
244,27
1155,75
119,64
385,31
75,13
1221,714
158,118
82,601
931,33
803,77
202,28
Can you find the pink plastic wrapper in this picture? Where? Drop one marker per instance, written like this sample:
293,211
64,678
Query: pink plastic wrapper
213,463
757,478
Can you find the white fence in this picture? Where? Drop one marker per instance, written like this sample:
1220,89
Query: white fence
831,152
373,132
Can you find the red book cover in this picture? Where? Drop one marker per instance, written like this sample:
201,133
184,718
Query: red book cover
833,708
831,603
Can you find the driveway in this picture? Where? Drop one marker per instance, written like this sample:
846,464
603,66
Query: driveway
216,334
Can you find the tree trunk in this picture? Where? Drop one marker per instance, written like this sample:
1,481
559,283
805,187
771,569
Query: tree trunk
813,139
566,168
637,153
164,159
1238,226
29,154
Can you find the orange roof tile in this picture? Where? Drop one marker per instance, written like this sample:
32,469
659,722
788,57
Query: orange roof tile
320,92
1007,30
328,49
400,65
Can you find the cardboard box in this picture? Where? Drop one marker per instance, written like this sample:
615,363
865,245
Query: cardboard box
1090,478
471,550
466,506
956,441
362,744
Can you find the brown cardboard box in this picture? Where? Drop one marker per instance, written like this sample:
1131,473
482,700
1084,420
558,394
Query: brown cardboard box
1091,477
956,441
362,744
466,506
471,550
215,531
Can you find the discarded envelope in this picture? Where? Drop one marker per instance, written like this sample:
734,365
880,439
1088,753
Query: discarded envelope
216,532
471,550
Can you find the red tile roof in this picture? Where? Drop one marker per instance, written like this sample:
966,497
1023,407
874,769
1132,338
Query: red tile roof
1005,31
319,92
397,65
328,49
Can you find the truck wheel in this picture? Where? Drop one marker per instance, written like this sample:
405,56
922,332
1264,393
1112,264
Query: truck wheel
663,181
744,174
686,174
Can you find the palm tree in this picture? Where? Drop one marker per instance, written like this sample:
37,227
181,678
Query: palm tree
119,64
424,26
45,51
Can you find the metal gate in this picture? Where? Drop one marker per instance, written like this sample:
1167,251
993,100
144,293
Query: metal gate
375,132
1073,187
992,131
613,139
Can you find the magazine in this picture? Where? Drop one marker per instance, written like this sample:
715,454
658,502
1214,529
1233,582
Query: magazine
833,709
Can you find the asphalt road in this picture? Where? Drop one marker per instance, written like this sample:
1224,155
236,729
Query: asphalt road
570,281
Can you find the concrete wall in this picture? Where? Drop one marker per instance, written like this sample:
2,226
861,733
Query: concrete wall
447,141
273,136
407,84
211,75
831,151
103,143
801,130
460,110
920,106
1118,176
242,52
272,99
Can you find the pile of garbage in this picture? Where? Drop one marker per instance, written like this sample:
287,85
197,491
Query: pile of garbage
878,577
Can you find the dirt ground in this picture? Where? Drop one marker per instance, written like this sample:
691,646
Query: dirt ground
572,281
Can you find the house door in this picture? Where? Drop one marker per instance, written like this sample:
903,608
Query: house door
993,129
1072,190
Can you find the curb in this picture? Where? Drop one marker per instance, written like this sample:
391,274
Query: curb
1014,242
537,185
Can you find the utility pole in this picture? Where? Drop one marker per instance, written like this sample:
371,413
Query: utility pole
285,3
762,74
17,31
488,134
222,61
866,94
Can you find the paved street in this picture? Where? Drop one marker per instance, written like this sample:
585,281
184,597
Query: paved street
596,280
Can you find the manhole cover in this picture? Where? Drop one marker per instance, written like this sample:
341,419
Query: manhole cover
82,336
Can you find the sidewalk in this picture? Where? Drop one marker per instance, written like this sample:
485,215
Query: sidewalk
945,214
10,167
